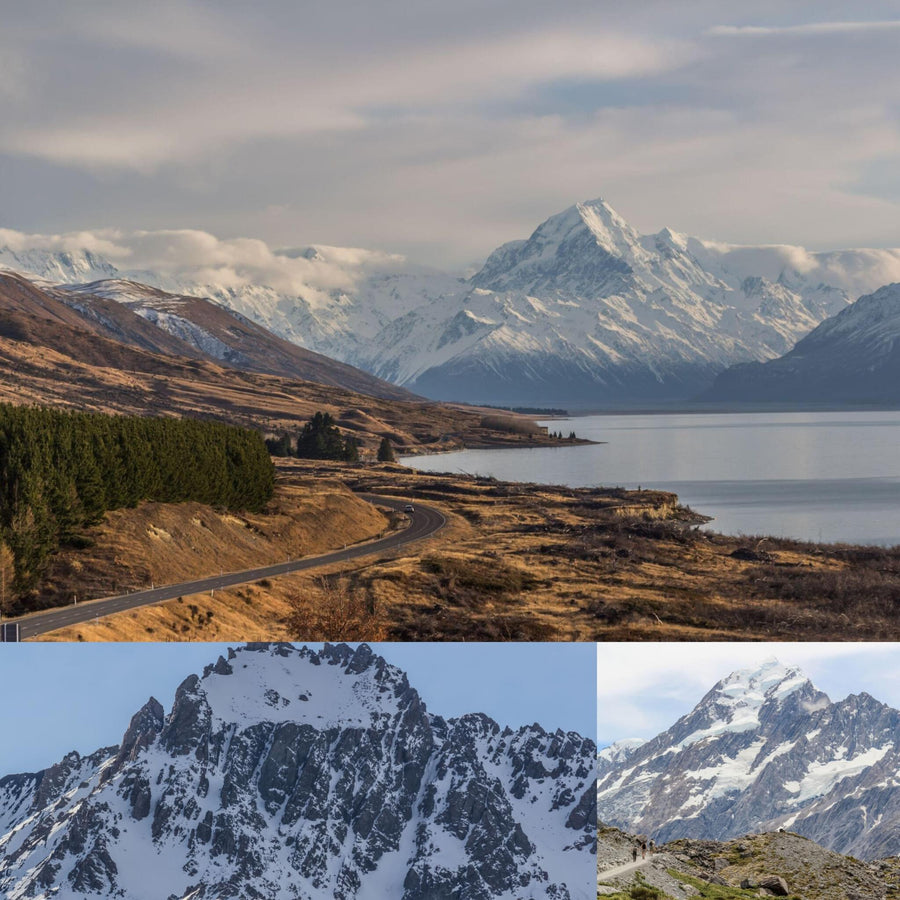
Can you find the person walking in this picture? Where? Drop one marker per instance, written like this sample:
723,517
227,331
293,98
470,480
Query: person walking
634,854
643,849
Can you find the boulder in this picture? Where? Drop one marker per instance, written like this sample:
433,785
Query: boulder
775,884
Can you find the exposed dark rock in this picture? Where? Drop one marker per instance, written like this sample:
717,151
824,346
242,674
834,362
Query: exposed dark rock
301,799
672,790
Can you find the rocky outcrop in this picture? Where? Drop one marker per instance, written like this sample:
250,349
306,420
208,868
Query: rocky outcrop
779,864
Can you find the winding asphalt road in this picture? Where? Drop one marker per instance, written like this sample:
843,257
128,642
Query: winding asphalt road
424,522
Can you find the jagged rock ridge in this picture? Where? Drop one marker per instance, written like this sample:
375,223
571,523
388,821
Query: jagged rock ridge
764,750
285,772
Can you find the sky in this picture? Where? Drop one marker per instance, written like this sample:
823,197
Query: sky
645,688
440,130
62,697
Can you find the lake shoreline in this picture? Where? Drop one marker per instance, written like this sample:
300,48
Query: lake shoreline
823,477
687,408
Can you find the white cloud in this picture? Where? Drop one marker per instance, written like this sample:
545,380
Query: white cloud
184,30
249,93
103,243
200,257
643,688
855,271
811,28
444,132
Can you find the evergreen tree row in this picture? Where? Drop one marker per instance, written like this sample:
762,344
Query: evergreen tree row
320,438
60,471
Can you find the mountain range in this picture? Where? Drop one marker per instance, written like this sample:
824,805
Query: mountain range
586,312
851,357
285,772
149,319
763,750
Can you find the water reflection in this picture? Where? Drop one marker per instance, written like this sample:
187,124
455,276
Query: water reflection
818,476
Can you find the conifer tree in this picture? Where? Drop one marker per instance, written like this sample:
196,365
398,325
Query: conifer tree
7,576
61,471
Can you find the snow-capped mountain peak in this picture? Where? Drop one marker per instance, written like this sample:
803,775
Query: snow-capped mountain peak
60,266
765,749
258,684
752,687
586,242
306,773
584,310
618,751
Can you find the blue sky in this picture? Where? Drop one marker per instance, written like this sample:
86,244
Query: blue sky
62,697
645,688
441,130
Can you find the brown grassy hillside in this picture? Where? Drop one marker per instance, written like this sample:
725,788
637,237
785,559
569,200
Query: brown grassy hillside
530,562
115,361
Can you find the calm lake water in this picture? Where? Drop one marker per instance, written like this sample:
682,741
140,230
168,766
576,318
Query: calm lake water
819,476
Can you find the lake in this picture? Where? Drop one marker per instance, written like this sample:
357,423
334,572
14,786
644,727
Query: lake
820,476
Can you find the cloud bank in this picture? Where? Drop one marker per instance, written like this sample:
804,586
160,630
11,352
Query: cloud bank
202,258
442,131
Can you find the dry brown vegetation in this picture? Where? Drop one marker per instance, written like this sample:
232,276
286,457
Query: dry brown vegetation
531,562
512,424
333,610
161,543
104,376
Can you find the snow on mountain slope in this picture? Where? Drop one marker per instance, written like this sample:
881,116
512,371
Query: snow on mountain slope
765,749
586,311
853,356
617,751
285,772
59,267
219,332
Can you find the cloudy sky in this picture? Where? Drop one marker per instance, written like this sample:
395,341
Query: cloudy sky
645,688
75,698
439,130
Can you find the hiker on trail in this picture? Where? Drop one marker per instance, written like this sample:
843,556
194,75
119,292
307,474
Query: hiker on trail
651,848
643,850
634,854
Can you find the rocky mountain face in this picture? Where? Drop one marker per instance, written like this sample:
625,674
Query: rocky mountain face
764,750
286,772
586,312
852,357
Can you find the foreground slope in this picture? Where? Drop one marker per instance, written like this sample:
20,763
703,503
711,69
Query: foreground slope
764,750
284,772
767,864
214,331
